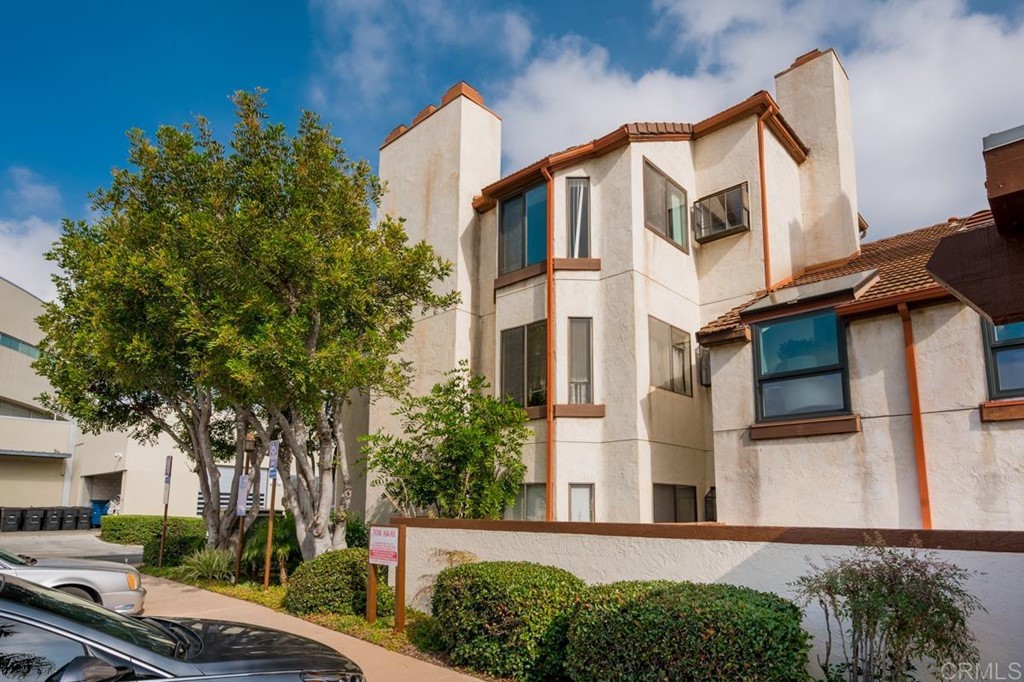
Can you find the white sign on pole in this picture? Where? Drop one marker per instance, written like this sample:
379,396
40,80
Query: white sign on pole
384,545
275,447
167,479
243,491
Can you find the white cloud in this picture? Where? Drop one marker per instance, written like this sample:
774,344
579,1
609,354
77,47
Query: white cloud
26,192
366,45
22,245
928,80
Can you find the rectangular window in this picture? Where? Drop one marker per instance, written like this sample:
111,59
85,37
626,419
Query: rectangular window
665,206
669,357
578,211
721,214
8,341
1004,357
531,504
522,231
580,361
800,367
524,364
581,502
675,503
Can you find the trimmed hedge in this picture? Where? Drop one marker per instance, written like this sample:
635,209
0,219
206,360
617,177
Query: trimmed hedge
660,630
177,548
135,530
335,582
504,618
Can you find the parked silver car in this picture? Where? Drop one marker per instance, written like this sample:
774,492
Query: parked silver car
115,586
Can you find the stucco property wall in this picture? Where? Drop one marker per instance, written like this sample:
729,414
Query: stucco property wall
768,566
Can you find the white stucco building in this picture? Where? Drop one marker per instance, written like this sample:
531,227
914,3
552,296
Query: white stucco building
586,277
46,462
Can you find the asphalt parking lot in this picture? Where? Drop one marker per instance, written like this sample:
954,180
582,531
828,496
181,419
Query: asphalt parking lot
74,544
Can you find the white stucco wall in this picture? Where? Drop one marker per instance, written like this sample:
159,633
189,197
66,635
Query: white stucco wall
869,478
763,566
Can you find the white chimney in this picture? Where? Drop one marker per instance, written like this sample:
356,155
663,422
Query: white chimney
814,97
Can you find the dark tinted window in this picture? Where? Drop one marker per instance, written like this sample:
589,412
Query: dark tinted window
90,615
29,653
1005,358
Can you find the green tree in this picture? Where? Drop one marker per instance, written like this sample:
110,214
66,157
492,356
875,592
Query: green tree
249,287
461,455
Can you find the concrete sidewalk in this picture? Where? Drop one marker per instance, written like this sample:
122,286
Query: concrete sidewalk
167,598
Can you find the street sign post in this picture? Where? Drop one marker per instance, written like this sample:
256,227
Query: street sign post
275,448
387,548
240,510
167,499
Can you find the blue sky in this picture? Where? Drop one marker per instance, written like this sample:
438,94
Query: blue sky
928,80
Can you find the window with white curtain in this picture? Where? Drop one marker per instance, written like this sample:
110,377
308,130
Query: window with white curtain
581,502
580,361
578,211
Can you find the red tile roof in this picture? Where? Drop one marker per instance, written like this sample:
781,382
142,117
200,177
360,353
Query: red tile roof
900,261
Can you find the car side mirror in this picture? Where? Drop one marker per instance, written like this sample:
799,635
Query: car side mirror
86,669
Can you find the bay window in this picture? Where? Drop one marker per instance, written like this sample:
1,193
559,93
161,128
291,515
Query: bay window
522,230
665,206
800,366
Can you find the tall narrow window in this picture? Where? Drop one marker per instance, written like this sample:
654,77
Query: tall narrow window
522,232
665,206
801,366
578,211
1004,345
581,502
524,364
669,357
580,361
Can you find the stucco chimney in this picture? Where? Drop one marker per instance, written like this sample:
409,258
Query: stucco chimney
814,97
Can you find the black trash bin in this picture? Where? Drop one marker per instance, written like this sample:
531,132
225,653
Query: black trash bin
33,519
51,519
68,518
84,518
10,519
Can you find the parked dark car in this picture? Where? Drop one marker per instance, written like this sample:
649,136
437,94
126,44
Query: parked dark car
49,635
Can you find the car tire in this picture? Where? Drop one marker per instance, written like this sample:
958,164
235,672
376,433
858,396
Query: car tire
78,592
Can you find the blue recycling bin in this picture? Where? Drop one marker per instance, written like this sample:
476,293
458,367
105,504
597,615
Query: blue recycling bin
99,510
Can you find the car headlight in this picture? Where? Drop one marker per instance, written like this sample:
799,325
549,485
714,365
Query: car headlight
133,581
330,676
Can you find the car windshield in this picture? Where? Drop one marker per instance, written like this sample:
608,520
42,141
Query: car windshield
92,616
12,559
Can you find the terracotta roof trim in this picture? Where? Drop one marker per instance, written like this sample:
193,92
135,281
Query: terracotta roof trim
757,104
460,89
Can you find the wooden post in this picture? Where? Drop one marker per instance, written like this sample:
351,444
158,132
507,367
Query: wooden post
400,583
270,536
163,535
167,499
371,594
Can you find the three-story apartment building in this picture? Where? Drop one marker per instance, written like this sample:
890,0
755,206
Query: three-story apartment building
586,276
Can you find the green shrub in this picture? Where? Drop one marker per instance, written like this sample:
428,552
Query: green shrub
135,530
504,618
335,582
176,548
662,630
208,564
285,551
356,533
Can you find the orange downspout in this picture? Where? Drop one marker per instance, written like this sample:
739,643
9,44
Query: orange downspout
764,201
550,260
915,416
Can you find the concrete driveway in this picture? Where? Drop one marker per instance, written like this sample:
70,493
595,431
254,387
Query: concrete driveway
167,598
69,544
